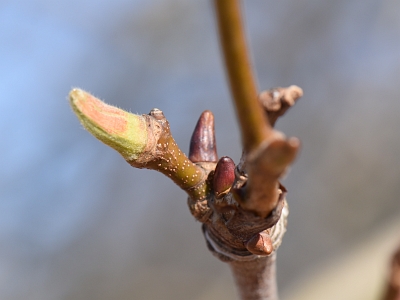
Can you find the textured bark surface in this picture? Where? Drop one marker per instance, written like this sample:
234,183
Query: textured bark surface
257,278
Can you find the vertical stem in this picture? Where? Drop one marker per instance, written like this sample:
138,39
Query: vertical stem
253,123
256,280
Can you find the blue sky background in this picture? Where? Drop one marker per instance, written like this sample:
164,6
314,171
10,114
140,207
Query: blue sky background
77,222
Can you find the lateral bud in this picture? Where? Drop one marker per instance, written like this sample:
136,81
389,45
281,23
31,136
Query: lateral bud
224,176
157,114
203,146
278,100
260,244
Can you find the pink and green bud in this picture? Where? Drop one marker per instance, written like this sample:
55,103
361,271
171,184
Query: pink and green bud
123,131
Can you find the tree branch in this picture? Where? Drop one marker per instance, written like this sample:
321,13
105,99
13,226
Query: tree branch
257,278
144,141
257,222
266,153
243,208
253,123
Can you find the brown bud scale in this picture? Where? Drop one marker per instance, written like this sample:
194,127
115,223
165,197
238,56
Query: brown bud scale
224,176
260,244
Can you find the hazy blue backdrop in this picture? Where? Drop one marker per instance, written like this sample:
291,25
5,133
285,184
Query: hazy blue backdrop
77,222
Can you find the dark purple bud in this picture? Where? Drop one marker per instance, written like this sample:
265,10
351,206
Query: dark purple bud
224,176
260,244
203,147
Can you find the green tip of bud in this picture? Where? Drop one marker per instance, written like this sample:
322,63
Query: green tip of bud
122,131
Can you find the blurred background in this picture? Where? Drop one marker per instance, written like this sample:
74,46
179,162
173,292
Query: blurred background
77,222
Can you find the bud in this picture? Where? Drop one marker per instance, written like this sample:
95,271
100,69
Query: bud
123,131
203,147
224,176
260,244
157,114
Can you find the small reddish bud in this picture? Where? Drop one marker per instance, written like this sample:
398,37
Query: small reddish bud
203,147
260,244
224,176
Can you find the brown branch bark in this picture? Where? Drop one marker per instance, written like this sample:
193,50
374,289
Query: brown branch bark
243,208
393,285
253,123
144,141
266,156
256,278
267,153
